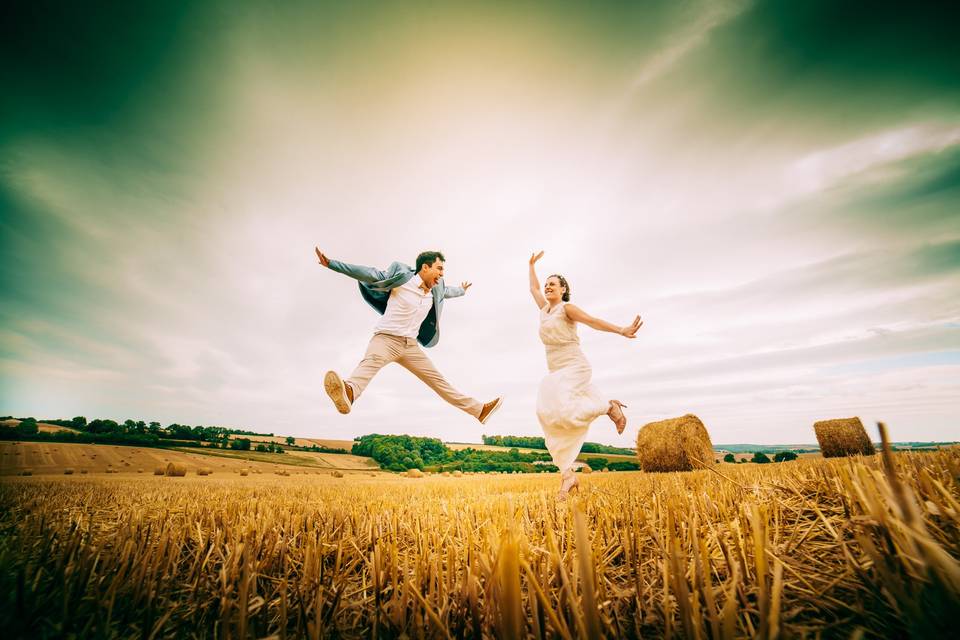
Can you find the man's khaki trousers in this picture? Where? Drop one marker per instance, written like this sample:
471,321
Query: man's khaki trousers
384,349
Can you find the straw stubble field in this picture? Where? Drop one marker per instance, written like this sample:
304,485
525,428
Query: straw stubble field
810,548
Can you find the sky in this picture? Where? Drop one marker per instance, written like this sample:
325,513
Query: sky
773,186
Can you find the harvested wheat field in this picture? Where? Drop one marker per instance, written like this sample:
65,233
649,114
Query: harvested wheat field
853,547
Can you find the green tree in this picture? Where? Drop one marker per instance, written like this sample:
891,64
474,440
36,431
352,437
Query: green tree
291,440
729,458
80,422
262,448
784,456
760,458
241,444
27,427
596,463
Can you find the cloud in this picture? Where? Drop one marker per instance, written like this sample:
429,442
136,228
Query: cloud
693,32
869,158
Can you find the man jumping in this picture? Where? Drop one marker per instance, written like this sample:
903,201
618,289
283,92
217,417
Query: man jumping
410,301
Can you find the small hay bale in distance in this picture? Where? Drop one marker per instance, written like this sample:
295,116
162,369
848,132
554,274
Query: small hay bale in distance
159,471
457,473
175,470
68,471
83,471
337,474
843,437
202,472
586,469
27,472
414,473
244,472
675,444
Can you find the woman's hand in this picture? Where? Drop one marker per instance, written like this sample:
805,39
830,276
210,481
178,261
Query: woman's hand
630,331
534,257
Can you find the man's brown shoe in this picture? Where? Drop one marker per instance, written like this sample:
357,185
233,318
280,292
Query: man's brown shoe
341,394
488,410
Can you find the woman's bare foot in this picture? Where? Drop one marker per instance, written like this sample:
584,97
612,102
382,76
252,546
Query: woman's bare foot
568,484
616,414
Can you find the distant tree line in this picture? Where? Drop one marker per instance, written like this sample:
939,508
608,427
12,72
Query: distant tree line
763,448
762,458
537,442
131,432
399,453
599,464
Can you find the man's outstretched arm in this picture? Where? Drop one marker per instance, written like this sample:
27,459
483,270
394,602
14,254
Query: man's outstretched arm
355,271
456,292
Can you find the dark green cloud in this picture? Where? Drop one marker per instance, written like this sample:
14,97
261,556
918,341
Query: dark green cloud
922,197
69,65
821,67
877,46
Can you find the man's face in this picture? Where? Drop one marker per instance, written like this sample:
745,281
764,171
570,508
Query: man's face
431,273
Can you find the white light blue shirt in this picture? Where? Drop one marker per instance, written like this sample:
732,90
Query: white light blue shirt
407,307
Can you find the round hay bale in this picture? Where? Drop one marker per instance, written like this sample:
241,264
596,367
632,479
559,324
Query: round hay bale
202,472
27,472
457,473
244,472
337,474
159,471
843,437
175,470
586,469
83,471
675,444
414,473
68,471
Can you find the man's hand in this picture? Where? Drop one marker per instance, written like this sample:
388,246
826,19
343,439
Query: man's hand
465,286
324,260
631,330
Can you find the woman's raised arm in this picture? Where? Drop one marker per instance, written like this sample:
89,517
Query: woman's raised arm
534,282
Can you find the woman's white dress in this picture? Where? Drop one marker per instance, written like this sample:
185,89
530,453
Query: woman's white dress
567,402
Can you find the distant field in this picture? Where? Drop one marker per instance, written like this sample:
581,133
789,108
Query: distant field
42,426
302,442
295,458
53,458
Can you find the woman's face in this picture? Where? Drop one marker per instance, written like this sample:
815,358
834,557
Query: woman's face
553,290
